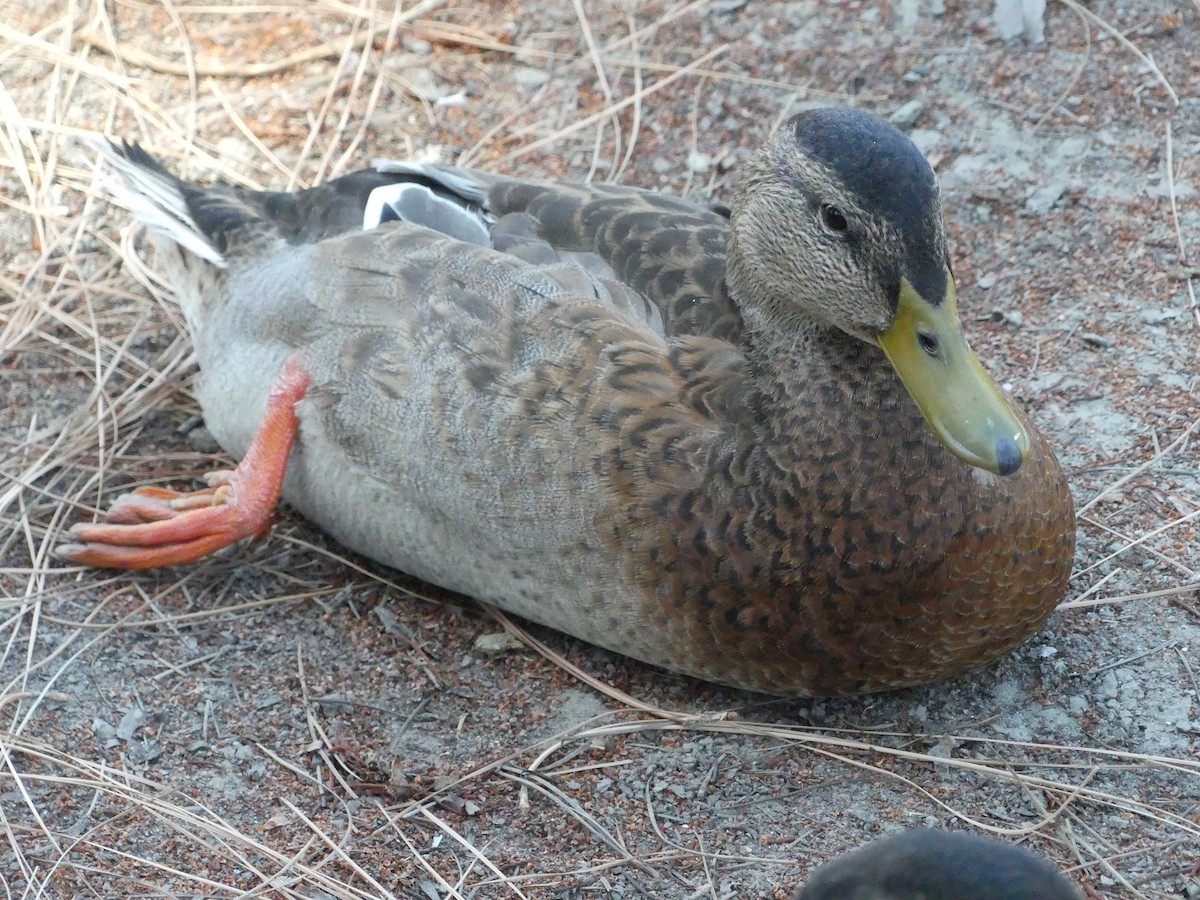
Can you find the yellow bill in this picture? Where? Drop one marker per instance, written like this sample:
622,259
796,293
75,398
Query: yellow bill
962,404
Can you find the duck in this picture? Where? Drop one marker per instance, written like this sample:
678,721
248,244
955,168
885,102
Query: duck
926,863
754,448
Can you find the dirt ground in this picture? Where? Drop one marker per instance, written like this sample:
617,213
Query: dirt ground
288,720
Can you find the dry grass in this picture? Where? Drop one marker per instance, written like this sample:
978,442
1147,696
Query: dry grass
103,349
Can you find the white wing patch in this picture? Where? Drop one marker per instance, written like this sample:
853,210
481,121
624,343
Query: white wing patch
453,180
420,205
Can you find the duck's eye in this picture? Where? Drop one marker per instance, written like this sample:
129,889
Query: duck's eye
929,342
833,218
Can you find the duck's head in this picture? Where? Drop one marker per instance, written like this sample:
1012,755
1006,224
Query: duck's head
921,863
840,221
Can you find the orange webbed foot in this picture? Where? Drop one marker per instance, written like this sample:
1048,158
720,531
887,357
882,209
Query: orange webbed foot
154,527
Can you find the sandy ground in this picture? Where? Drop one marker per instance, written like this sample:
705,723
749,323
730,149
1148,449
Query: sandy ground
290,721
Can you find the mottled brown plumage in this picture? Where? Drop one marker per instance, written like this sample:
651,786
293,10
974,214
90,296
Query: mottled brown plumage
666,432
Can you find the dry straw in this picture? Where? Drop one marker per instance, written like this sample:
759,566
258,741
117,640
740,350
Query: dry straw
79,302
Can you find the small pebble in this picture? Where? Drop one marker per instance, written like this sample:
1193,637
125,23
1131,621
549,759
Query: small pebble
1008,317
1156,316
698,162
906,116
943,749
496,643
200,439
1042,198
530,78
1021,18
230,147
1107,689
926,139
426,84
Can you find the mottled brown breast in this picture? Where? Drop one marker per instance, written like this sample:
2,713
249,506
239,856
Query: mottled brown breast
857,555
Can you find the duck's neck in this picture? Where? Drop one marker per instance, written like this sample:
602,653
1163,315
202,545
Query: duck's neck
793,360
780,346
819,389
826,395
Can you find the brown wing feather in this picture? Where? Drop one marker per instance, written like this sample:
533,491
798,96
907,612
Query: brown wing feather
670,251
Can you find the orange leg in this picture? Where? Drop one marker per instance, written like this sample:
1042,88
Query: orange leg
154,527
